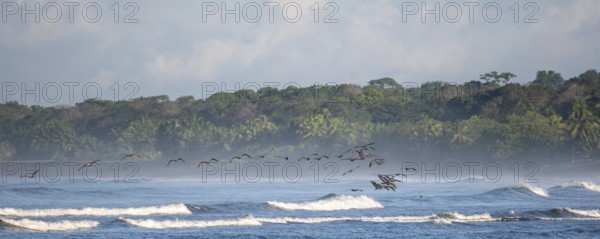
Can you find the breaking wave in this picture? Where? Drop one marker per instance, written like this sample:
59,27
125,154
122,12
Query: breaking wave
520,189
590,186
149,223
445,218
50,226
586,213
331,202
90,211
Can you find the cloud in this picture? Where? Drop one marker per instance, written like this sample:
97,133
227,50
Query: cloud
171,51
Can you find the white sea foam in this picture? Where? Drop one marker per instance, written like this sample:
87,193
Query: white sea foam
50,226
399,219
588,213
568,219
590,186
332,203
457,217
443,221
445,218
149,223
170,209
308,220
537,190
531,188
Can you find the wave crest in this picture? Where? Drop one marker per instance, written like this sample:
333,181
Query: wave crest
590,186
445,218
50,226
89,211
329,203
522,189
587,213
154,224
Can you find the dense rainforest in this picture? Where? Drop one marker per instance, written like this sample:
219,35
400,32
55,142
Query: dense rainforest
549,117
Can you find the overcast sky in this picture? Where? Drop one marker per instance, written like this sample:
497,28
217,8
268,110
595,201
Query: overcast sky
171,49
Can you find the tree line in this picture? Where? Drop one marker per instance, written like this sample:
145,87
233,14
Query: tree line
549,117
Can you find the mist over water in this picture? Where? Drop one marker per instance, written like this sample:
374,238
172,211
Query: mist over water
181,202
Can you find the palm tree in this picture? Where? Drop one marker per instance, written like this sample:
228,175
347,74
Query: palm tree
460,137
583,125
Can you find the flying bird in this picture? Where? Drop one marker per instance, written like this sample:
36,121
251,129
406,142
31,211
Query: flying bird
263,155
388,179
376,185
342,155
174,161
239,157
87,165
322,156
282,157
351,170
31,175
410,169
378,161
356,190
301,158
131,156
213,160
379,186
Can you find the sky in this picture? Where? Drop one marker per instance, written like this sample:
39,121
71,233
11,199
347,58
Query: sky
180,48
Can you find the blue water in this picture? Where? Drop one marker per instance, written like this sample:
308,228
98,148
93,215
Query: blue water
194,209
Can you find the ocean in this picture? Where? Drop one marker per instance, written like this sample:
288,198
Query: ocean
192,208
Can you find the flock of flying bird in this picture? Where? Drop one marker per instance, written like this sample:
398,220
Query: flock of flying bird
356,153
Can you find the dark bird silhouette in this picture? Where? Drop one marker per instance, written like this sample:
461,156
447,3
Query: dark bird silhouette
264,155
376,185
321,157
365,147
351,159
356,190
301,158
342,155
174,161
131,156
31,175
234,158
283,157
388,179
245,155
351,170
86,165
389,187
239,157
410,169
213,160
378,161
379,186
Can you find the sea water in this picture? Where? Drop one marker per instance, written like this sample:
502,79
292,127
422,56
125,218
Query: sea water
156,208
